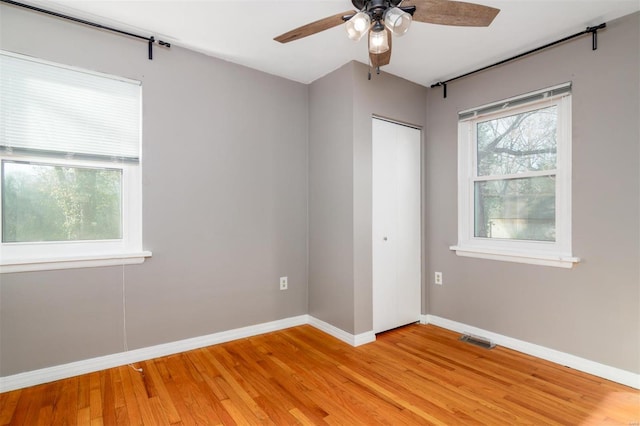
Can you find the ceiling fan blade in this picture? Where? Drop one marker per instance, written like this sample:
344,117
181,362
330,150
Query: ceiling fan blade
313,28
449,12
380,59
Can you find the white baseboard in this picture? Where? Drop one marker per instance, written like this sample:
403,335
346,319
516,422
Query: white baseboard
353,340
601,370
64,371
50,374
46,375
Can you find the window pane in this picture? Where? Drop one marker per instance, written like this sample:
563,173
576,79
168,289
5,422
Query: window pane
53,203
520,209
518,143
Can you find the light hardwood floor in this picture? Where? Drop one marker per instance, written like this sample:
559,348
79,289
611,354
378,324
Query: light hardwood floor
410,376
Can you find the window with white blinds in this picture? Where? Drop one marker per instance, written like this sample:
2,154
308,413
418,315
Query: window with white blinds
514,179
51,109
70,167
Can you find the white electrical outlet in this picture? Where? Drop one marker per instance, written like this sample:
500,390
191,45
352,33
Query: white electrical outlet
284,283
438,278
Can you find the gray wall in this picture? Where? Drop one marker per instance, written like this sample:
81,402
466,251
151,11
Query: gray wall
591,311
341,106
225,206
331,199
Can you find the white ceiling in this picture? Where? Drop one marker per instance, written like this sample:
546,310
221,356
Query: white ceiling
242,31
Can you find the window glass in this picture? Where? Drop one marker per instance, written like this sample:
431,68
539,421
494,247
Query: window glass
43,202
520,209
518,143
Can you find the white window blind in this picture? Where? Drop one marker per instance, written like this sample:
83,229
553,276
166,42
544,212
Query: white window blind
50,109
527,98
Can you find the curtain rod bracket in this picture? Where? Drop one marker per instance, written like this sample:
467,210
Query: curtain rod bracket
444,87
594,35
151,40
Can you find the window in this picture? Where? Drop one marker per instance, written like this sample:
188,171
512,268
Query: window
70,187
514,179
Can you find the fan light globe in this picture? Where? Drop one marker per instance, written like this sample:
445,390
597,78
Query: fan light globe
378,41
358,26
397,20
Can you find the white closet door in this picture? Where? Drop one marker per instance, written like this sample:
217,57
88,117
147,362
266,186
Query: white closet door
396,225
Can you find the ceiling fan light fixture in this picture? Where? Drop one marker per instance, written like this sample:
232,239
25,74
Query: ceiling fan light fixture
358,26
397,20
378,41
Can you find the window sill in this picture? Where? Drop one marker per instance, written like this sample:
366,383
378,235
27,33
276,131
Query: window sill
518,257
8,266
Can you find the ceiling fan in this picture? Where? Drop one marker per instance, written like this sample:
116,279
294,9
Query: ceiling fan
382,18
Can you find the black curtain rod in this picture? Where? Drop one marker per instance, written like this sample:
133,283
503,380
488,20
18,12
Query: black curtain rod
150,40
594,46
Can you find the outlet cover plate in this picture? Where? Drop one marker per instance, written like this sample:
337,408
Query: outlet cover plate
438,278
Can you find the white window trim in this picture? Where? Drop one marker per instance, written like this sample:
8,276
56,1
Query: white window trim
556,253
94,261
51,255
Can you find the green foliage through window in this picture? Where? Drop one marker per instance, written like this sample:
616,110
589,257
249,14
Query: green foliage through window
42,202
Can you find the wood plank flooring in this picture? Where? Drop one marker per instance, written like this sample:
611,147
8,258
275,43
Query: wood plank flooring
410,376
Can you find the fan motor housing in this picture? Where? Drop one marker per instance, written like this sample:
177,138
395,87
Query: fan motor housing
373,4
